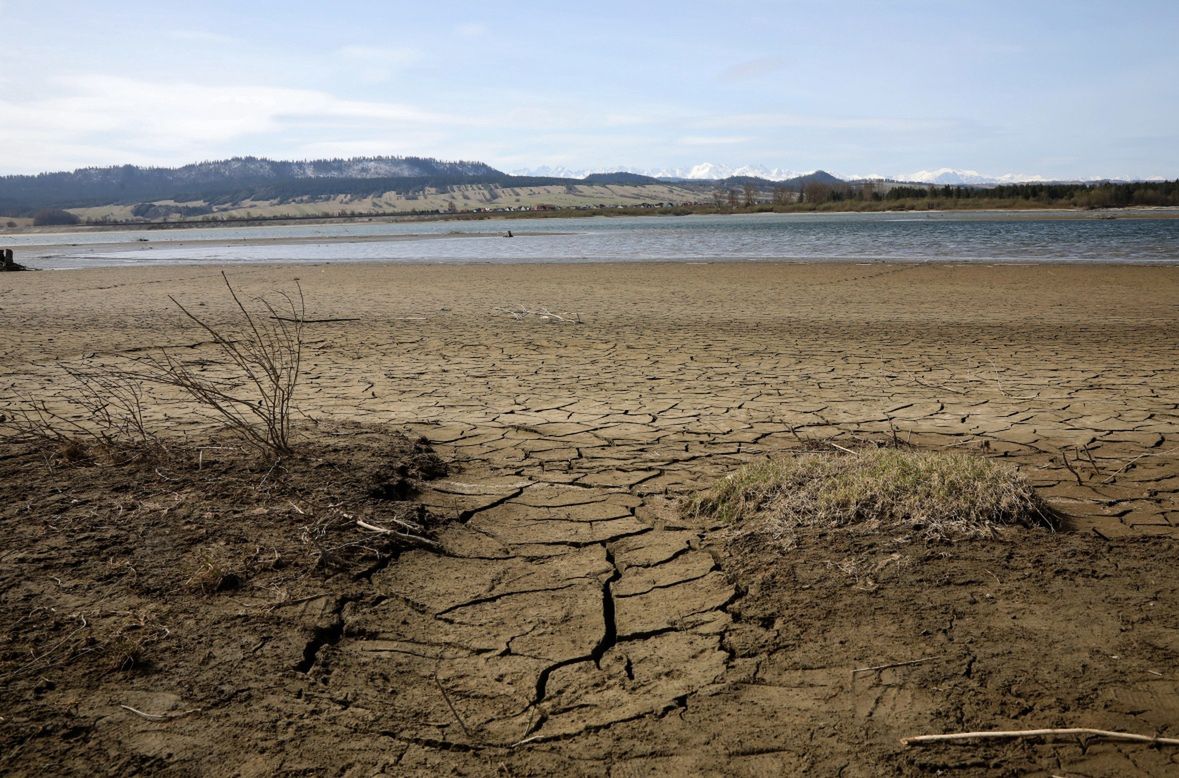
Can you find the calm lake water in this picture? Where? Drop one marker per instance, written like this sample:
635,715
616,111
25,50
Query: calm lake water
970,237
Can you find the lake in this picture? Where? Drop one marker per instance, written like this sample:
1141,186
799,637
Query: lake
934,236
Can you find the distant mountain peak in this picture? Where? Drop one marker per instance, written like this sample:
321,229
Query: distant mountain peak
954,176
705,171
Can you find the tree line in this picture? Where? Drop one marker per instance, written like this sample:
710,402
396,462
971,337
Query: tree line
1074,195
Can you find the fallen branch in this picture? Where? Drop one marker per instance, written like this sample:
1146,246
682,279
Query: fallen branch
1022,733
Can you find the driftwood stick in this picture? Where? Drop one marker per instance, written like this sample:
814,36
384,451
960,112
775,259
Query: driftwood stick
1021,733
841,448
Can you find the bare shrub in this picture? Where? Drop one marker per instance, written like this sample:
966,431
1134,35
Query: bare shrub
100,411
251,388
263,352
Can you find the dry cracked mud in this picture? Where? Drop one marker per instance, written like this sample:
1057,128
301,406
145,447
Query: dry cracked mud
575,622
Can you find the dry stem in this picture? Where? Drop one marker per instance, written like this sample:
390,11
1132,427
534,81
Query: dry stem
1022,733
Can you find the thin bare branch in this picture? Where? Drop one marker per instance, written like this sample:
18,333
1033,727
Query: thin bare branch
1026,733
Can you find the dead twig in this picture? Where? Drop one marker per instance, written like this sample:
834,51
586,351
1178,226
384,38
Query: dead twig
398,533
1071,469
841,448
1022,733
298,601
201,453
894,664
159,716
1127,466
1089,456
46,654
936,386
294,320
519,313
453,709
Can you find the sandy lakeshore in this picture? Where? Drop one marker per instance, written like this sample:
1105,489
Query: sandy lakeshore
574,621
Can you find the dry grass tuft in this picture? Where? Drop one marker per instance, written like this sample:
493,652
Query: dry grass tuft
213,571
128,647
933,494
126,652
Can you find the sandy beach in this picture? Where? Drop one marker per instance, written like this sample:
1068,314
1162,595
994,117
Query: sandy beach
572,606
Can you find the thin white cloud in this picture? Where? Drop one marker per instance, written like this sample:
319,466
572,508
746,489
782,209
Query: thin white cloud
787,120
203,37
406,144
375,64
106,119
714,140
752,68
471,30
75,121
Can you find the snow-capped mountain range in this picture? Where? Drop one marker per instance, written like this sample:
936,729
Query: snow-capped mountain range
709,171
945,175
705,171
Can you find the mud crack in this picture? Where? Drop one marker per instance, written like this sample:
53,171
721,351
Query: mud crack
328,635
610,627
608,640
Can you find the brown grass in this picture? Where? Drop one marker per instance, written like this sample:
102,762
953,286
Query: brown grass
933,494
213,571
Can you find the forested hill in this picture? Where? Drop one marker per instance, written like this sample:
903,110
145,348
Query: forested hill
210,185
206,180
253,187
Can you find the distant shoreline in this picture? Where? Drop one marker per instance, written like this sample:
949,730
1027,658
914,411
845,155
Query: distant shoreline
991,212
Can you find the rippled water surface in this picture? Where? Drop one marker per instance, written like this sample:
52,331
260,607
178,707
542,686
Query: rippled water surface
990,237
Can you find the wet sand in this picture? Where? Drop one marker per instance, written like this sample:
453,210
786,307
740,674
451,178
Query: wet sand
58,255
576,608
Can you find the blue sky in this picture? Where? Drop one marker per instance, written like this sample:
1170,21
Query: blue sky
1058,89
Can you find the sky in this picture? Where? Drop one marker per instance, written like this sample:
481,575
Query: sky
1068,89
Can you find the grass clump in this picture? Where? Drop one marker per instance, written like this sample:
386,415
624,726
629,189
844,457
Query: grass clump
936,494
212,572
